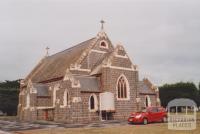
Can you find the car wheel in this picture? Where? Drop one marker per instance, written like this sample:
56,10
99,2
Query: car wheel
145,121
164,120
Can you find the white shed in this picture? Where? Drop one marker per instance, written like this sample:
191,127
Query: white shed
107,102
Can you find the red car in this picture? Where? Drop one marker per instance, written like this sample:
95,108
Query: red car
150,114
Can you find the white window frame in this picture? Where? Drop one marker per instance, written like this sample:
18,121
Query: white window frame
127,88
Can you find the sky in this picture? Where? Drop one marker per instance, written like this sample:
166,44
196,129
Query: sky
162,37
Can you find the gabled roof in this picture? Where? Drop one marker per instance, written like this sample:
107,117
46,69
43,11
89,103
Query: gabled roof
107,58
48,67
42,89
145,86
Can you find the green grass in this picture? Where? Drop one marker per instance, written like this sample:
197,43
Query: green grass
8,118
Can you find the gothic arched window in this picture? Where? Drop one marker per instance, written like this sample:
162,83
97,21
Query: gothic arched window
122,88
66,98
147,101
93,103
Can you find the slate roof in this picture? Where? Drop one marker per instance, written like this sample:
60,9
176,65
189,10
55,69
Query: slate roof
144,87
42,89
88,84
48,67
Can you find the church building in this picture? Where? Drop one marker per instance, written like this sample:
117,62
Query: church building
89,82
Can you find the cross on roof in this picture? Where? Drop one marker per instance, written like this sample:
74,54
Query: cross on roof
47,51
102,23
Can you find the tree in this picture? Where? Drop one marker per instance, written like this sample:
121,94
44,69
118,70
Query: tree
9,91
169,92
199,88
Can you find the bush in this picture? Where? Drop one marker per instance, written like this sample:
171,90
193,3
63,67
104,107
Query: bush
9,92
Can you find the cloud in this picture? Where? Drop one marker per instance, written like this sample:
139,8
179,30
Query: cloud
162,37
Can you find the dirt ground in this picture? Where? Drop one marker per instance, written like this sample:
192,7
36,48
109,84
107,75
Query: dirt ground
156,128
13,126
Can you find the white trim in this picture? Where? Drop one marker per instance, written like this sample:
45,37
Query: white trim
123,99
95,103
85,75
80,69
98,51
30,84
127,88
31,88
75,83
26,108
101,34
68,106
19,105
121,56
32,108
50,88
77,67
65,99
138,99
76,99
45,107
28,101
157,89
121,68
158,100
56,88
57,101
68,75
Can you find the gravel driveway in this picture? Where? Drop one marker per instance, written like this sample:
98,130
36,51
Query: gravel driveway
7,127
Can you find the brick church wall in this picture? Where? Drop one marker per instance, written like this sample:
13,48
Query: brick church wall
77,110
123,107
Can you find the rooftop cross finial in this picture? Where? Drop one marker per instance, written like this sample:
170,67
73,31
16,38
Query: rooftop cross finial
102,23
47,51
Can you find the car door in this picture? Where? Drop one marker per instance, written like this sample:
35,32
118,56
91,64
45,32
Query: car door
160,114
153,114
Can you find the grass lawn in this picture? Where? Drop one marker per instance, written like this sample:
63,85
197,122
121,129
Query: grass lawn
8,118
